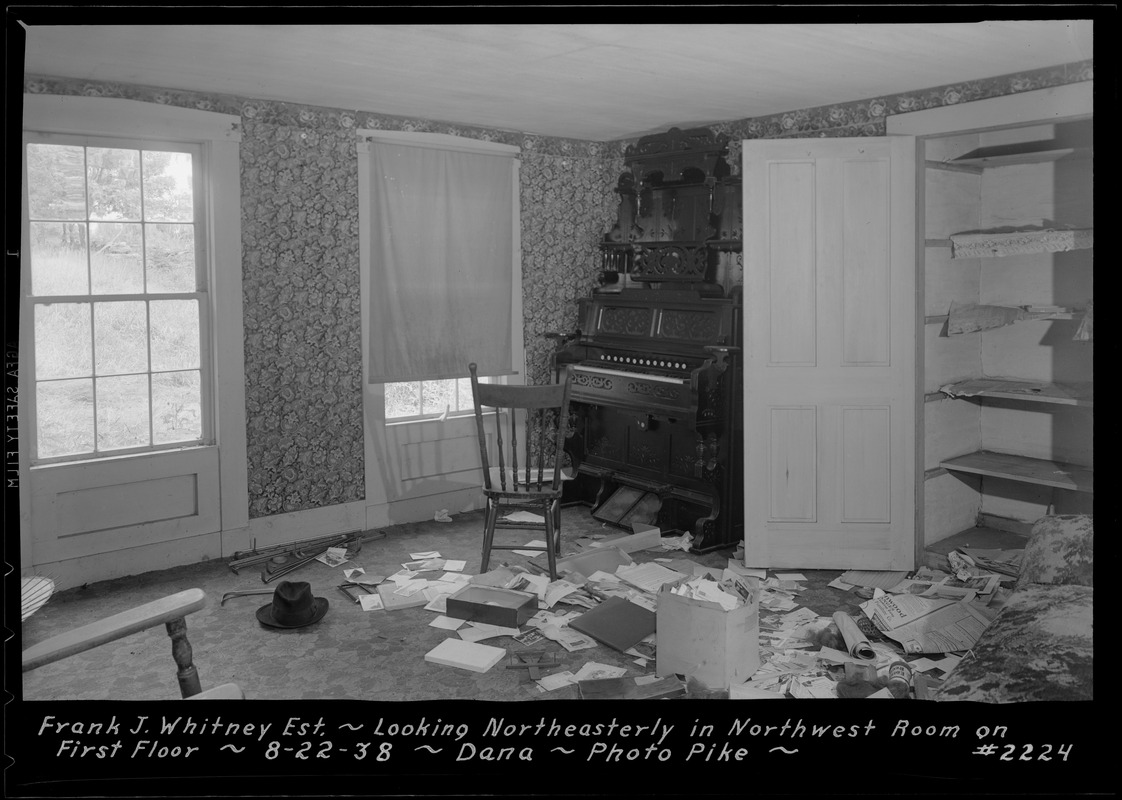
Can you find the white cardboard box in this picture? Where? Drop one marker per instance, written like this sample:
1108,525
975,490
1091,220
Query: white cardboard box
465,655
699,639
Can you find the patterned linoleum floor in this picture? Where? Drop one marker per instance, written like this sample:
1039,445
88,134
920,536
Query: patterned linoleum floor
350,654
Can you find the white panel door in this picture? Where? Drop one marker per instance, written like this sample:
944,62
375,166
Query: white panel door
829,369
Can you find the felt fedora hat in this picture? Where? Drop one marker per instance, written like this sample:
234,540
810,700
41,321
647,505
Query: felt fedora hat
293,606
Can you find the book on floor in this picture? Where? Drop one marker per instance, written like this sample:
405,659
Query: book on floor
465,655
616,622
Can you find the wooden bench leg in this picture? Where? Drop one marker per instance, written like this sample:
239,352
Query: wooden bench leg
181,651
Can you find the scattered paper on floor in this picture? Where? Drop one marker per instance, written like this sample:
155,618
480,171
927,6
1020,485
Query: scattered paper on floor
924,625
557,680
371,602
478,631
534,543
593,671
333,556
446,623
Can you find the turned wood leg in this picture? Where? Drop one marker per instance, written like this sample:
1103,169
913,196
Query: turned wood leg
489,533
550,533
181,651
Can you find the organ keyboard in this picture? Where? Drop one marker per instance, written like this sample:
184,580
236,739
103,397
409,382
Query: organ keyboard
655,407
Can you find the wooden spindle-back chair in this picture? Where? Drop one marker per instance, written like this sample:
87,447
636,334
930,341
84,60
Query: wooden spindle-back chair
530,425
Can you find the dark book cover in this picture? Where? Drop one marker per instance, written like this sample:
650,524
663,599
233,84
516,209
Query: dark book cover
616,622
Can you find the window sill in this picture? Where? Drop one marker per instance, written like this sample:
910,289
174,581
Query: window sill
122,457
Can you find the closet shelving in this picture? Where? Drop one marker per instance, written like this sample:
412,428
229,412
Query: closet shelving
986,249
985,245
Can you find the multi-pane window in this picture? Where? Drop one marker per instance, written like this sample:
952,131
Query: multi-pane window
116,296
426,399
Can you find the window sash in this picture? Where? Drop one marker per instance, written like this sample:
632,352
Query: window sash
200,296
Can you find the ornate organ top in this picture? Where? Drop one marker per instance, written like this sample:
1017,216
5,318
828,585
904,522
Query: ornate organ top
656,367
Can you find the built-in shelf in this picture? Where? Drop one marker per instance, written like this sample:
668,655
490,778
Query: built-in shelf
1030,391
1057,474
1013,154
997,244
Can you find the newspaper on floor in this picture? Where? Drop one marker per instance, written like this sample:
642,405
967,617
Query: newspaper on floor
649,576
926,625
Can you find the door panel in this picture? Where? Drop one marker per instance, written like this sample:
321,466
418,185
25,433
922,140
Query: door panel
113,504
830,353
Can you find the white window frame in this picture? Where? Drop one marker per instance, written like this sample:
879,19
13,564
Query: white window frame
200,295
221,469
437,415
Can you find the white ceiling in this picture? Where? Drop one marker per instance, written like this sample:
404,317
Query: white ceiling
595,82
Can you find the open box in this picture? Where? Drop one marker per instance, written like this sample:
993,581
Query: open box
492,605
699,639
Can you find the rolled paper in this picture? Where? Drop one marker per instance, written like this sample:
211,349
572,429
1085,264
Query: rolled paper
855,641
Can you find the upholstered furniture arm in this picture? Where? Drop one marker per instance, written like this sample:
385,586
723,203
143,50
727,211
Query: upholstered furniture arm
1060,551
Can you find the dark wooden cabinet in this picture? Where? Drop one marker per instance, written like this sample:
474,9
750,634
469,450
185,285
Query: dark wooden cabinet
656,400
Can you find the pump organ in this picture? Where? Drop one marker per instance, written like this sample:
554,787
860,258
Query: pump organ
656,427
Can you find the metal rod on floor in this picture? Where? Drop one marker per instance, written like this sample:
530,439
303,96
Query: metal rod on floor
293,548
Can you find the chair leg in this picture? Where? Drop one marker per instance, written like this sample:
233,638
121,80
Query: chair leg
550,535
187,675
556,511
489,532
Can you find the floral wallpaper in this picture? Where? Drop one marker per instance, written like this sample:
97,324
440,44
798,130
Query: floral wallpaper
300,274
567,205
300,267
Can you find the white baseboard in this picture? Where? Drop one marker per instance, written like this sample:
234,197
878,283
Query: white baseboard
296,526
419,509
73,572
261,532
